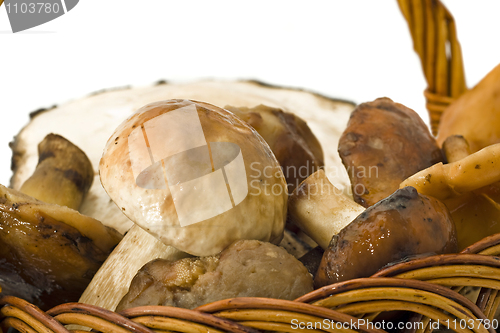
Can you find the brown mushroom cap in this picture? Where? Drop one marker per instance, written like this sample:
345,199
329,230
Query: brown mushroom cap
404,224
260,215
293,143
48,253
384,143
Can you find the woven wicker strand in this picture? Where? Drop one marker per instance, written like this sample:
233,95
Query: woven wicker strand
433,30
95,317
340,303
457,271
157,313
265,310
369,295
34,317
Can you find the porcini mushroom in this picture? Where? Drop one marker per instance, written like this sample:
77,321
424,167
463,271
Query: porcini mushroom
404,224
455,148
50,252
196,178
383,144
246,268
359,241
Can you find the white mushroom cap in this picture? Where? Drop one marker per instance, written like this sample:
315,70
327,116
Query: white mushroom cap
195,176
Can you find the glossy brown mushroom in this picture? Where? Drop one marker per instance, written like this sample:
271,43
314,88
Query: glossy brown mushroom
404,224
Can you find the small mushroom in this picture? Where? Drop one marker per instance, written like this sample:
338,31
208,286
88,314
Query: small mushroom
293,143
384,143
60,162
50,252
196,178
404,224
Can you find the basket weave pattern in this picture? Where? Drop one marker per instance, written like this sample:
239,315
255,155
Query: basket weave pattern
428,287
434,35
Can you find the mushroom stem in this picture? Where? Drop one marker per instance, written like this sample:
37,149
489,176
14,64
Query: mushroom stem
60,162
320,209
444,181
455,148
113,279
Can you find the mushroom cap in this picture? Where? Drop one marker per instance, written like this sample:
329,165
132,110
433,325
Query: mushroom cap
195,176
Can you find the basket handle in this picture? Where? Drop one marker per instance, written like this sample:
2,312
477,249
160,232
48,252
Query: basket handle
433,30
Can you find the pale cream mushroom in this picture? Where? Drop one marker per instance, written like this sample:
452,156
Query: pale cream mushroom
169,168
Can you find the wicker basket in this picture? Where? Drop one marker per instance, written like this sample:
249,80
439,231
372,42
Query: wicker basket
428,290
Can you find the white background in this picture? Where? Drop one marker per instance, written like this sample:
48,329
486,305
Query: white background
356,50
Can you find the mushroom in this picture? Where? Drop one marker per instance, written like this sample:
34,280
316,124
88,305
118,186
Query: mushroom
89,121
359,241
247,268
468,186
60,162
475,115
404,224
196,178
296,148
50,252
383,144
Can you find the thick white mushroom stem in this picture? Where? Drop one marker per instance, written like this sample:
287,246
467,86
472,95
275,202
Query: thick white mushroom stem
113,279
444,181
320,209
